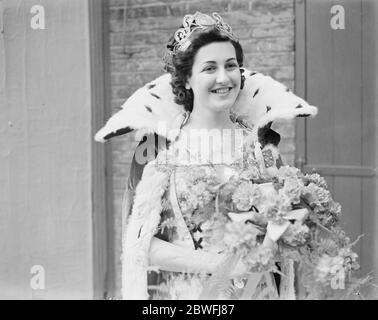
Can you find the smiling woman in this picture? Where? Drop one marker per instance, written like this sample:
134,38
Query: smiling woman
174,207
205,58
215,82
234,226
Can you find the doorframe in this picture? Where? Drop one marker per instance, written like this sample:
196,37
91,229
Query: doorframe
370,97
100,87
300,79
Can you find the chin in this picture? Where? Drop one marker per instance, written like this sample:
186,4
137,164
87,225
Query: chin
223,105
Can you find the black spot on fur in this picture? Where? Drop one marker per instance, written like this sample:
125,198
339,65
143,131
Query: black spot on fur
148,109
154,95
252,73
150,86
197,243
256,92
268,109
118,133
268,136
298,106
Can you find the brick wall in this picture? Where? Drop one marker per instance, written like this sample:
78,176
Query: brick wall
138,30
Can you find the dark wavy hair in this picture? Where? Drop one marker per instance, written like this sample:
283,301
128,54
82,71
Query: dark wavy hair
182,63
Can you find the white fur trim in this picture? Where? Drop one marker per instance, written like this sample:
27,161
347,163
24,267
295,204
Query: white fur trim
145,112
141,228
164,115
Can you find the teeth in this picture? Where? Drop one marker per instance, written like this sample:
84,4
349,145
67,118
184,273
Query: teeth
225,90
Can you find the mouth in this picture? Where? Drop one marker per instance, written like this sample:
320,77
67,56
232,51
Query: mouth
222,91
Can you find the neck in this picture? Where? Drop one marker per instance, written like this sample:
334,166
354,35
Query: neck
208,119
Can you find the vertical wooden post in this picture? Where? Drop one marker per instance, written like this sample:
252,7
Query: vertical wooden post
99,62
370,135
300,78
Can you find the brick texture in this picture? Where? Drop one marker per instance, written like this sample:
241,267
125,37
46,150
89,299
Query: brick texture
138,30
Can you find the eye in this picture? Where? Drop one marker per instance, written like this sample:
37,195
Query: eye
231,65
209,68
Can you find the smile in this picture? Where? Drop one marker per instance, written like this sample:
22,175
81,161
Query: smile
222,90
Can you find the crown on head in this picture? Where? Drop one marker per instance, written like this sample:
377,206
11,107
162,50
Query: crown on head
193,23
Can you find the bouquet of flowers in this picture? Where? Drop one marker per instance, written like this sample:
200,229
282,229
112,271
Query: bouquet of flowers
296,214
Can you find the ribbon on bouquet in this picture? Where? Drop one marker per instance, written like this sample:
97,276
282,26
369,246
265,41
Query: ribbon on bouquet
274,230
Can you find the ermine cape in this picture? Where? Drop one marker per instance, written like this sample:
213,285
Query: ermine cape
152,110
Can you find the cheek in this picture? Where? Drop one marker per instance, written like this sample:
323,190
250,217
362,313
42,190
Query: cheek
236,77
202,85
199,90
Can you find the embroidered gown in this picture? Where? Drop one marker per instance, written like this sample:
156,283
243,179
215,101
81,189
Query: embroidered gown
186,218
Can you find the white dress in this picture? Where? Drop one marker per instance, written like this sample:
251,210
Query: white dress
182,197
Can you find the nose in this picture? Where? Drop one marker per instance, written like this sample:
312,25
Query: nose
222,76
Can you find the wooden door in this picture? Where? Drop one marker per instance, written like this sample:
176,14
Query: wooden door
336,71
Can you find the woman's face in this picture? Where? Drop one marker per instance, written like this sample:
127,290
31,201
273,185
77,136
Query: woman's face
216,77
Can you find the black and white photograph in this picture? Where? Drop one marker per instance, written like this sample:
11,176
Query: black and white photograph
213,151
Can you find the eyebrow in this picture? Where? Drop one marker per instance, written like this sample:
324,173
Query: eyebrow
216,62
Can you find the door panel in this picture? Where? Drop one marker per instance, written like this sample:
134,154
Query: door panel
340,143
334,84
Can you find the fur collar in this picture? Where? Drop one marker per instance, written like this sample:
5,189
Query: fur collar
261,101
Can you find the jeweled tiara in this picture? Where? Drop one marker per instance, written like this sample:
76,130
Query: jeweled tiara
192,23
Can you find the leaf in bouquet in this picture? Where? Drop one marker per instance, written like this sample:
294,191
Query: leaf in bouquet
328,246
323,228
357,239
304,203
